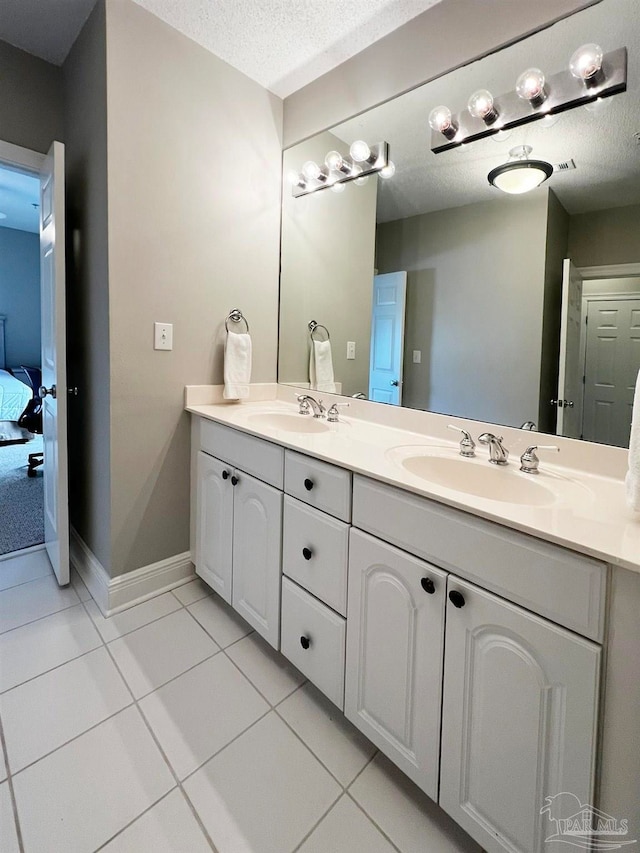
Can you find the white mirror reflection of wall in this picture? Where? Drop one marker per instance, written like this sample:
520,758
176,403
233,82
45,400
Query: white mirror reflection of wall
495,326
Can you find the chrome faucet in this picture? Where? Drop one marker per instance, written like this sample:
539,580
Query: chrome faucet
308,402
333,413
529,462
467,444
498,453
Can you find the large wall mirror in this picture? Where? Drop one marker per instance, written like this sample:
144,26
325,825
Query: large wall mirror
472,279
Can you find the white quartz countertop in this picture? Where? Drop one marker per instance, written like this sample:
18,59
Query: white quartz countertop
588,514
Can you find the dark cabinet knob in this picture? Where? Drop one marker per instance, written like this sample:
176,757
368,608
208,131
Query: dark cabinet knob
456,598
307,553
308,484
428,585
305,642
225,475
234,481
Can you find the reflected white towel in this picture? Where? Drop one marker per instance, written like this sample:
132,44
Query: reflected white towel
237,366
321,367
633,474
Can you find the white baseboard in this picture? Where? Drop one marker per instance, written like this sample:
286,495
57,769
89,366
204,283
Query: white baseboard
115,594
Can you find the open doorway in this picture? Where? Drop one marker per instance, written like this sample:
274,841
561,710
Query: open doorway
21,486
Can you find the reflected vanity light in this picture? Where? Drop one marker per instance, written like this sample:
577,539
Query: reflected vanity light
591,76
339,169
520,174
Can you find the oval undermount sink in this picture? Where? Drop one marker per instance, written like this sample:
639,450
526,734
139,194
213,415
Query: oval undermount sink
288,422
479,478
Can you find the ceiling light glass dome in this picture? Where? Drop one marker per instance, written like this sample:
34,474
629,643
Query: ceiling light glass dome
520,174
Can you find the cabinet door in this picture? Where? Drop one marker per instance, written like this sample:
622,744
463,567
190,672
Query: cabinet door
214,524
257,551
518,721
393,683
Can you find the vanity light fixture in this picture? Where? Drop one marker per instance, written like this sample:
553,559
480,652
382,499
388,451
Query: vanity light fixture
481,106
520,174
339,169
530,87
591,75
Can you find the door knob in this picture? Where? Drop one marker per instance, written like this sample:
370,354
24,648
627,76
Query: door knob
307,553
225,475
456,598
305,642
234,481
428,585
72,392
308,484
569,404
394,382
42,392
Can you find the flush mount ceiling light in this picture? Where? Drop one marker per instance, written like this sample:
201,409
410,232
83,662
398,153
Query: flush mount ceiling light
520,174
338,169
591,75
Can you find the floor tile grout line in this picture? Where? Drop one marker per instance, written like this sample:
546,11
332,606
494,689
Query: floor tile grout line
10,788
133,630
373,821
40,618
20,583
47,671
318,822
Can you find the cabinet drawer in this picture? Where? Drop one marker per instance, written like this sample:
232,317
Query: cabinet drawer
315,552
319,484
261,458
307,622
565,587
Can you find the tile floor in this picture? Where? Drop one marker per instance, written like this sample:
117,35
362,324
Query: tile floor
172,728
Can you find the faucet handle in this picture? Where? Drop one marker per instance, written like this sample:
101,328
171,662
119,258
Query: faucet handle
305,408
332,414
467,444
529,462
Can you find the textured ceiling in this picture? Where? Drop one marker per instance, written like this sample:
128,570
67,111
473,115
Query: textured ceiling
282,44
19,199
602,143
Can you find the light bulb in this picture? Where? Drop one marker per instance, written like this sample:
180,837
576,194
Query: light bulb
440,120
333,160
311,170
294,178
586,62
388,171
360,151
480,105
530,86
338,187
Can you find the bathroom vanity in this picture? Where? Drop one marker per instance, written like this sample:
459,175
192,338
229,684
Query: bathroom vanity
459,633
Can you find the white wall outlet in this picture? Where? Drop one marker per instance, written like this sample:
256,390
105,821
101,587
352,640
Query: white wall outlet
417,356
163,335
351,349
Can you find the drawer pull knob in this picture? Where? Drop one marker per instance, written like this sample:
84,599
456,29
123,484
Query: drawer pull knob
456,598
428,585
225,475
308,484
307,553
305,642
234,481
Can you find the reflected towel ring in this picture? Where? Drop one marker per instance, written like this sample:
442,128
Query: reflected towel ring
236,316
313,326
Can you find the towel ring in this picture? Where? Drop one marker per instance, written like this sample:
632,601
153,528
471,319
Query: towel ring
313,326
236,316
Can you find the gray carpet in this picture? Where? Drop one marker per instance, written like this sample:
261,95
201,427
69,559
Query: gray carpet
21,498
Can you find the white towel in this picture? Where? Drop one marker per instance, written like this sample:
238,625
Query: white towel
633,474
321,367
237,366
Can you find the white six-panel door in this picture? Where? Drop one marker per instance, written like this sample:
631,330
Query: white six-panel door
214,541
257,550
54,379
395,633
519,720
387,338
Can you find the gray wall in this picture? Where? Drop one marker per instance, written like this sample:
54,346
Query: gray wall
85,89
31,110
450,34
20,296
327,271
194,173
475,292
605,237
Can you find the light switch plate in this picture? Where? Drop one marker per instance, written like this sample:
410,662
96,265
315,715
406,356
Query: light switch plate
163,336
351,350
417,356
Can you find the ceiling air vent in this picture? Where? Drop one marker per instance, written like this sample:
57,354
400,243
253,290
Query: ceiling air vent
565,166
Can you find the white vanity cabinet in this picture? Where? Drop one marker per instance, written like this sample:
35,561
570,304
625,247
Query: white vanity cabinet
519,719
395,640
238,530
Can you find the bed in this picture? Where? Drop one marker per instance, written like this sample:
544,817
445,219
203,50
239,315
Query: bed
14,397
